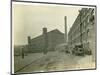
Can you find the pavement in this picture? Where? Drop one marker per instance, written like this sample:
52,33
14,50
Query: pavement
86,63
20,63
53,61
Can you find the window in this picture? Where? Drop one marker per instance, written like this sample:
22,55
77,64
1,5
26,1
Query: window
84,13
87,32
88,19
83,24
92,13
92,18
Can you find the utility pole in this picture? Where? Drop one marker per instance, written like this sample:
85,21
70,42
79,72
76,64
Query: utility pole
80,29
65,20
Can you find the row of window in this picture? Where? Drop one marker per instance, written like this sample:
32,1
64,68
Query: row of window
88,17
77,29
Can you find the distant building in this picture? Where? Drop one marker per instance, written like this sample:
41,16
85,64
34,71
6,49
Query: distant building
83,30
46,42
18,49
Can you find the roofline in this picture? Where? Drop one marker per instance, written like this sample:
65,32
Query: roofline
47,32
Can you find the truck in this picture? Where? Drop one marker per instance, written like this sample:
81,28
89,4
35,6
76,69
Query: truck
78,50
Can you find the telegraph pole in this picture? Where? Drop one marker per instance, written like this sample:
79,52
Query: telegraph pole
80,30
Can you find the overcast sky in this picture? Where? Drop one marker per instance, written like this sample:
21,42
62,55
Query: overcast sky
28,19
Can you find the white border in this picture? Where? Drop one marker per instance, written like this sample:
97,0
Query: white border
5,37
46,4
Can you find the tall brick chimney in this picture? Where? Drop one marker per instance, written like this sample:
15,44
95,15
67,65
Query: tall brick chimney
29,40
45,38
44,30
29,43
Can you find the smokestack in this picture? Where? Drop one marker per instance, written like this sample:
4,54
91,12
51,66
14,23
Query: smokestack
45,40
44,30
29,44
65,20
29,40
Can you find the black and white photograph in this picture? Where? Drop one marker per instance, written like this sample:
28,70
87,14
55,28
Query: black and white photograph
52,37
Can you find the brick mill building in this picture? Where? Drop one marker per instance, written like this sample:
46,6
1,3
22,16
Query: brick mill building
83,30
46,42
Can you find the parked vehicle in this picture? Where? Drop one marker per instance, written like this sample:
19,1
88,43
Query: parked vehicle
78,50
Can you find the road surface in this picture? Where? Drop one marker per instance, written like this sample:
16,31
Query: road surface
55,61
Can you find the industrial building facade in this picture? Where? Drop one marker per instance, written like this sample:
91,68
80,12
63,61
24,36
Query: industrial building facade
83,30
46,42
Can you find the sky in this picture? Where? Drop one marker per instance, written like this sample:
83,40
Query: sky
28,19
